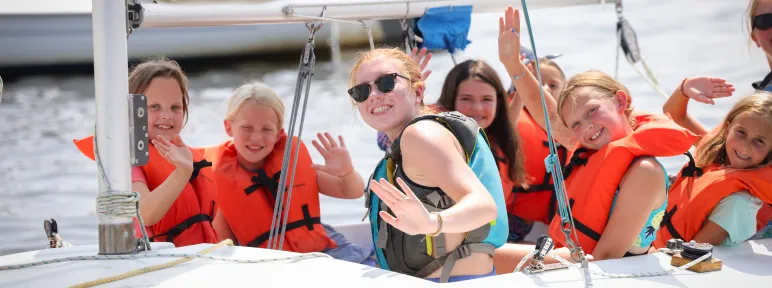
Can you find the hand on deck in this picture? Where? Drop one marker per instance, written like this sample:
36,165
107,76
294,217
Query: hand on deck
422,59
704,89
337,160
176,152
509,41
411,215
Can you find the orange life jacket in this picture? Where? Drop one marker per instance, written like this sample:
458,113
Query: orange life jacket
188,220
692,199
247,199
593,177
537,202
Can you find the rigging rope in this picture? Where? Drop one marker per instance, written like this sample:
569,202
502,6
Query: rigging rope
305,72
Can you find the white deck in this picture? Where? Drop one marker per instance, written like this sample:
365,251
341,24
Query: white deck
749,265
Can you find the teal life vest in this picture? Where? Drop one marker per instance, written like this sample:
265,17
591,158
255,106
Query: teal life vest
412,255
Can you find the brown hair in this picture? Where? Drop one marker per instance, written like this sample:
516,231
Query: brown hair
501,129
712,149
597,81
549,62
144,73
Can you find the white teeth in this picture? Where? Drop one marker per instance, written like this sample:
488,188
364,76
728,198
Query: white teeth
381,109
596,135
254,147
166,127
741,156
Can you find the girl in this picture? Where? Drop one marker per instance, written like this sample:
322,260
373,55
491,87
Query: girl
176,193
759,24
615,186
718,202
537,202
247,169
448,215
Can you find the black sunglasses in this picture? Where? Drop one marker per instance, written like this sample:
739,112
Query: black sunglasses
385,84
762,22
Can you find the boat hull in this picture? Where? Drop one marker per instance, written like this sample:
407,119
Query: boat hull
66,39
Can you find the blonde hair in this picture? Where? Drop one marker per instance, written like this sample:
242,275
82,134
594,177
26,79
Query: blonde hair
260,93
712,150
597,81
144,73
753,5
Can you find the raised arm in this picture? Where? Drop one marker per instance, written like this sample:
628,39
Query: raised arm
525,82
702,89
337,177
154,205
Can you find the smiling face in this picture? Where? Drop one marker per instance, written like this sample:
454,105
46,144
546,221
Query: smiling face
165,108
762,38
477,100
596,119
748,140
387,112
255,130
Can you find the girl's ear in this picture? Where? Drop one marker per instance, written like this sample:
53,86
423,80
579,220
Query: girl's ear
623,101
228,128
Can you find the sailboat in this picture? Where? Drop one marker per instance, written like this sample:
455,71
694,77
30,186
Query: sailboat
112,261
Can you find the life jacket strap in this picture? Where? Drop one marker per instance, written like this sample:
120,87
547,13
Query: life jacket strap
448,261
668,223
307,222
179,228
197,166
581,228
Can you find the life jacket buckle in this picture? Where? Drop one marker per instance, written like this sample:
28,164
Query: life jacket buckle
462,252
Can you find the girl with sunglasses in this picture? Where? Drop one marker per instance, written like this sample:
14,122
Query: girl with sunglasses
438,208
760,22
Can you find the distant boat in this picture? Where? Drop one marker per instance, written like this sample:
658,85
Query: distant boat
54,32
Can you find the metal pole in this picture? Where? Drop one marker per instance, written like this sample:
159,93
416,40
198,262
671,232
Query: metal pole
116,234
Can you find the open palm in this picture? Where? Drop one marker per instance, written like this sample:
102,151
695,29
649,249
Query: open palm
176,152
704,89
337,160
509,39
410,215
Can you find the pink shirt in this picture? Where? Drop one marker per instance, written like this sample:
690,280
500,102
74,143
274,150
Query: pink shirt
137,175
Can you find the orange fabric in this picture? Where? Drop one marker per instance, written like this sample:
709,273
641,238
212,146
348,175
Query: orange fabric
196,201
691,200
537,203
592,185
247,199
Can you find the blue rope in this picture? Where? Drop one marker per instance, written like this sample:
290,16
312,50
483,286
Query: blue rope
551,162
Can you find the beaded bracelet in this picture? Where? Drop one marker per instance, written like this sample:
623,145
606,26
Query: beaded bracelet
682,88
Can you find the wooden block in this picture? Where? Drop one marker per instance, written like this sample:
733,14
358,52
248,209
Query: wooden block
714,264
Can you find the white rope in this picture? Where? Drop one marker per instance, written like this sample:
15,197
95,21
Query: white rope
634,275
117,204
171,255
525,259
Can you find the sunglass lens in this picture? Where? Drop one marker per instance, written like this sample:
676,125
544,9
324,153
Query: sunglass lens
762,22
385,83
360,92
